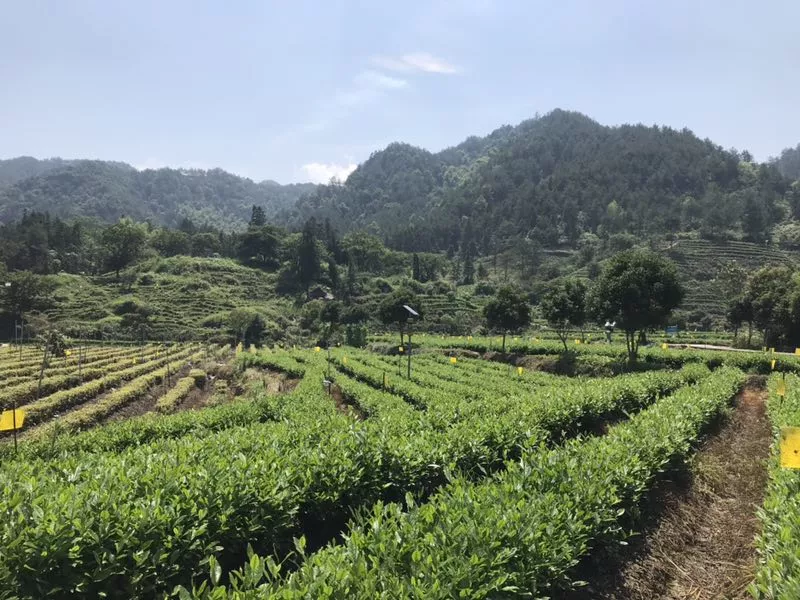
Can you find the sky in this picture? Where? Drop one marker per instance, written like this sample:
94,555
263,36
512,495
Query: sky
305,90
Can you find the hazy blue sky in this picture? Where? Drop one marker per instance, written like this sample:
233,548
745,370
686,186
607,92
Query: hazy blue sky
298,90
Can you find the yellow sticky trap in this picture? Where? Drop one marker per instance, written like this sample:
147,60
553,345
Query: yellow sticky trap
780,389
67,353
797,351
453,360
664,346
317,348
519,371
400,349
7,419
790,447
773,364
344,360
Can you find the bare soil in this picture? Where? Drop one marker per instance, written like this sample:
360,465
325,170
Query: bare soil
699,526
345,404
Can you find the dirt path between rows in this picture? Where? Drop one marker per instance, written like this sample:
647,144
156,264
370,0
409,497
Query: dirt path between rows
699,544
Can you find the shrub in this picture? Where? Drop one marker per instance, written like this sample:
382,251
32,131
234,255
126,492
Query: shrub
484,288
355,335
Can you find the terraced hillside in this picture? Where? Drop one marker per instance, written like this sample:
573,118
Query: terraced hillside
442,312
700,261
188,298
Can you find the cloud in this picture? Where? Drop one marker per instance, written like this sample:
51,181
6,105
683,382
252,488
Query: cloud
416,61
323,172
379,80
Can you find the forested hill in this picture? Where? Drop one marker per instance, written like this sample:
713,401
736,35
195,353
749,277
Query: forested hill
22,167
788,162
108,190
554,179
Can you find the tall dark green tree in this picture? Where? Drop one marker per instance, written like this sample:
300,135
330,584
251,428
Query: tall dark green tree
507,311
352,278
258,218
468,270
27,292
754,220
564,307
122,244
392,312
308,260
769,292
259,246
416,275
638,289
333,276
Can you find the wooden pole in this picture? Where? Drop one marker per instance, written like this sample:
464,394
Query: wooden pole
409,354
14,419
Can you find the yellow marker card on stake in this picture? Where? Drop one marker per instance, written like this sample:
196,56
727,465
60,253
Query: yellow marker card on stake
7,419
790,447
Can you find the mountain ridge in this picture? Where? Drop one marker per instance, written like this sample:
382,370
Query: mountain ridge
73,188
556,178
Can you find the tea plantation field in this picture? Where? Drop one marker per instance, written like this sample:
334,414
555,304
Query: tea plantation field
472,478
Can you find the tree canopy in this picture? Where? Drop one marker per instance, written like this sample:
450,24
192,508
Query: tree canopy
638,289
392,311
507,311
123,242
563,305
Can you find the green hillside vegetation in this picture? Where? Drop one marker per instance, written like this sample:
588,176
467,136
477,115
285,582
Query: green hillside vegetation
109,190
553,179
22,167
209,255
788,163
174,298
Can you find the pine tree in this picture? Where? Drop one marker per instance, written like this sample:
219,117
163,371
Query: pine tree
468,270
258,218
307,256
415,268
333,275
351,277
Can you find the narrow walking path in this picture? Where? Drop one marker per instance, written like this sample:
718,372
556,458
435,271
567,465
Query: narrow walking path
700,544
